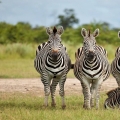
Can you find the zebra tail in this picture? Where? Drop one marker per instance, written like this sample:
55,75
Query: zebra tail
72,66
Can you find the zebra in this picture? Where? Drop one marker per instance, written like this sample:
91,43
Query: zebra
113,99
53,63
115,65
91,67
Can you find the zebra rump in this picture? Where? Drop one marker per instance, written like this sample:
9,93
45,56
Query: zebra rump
113,99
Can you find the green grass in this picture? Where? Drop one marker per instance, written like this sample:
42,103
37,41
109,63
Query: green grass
20,68
17,68
30,107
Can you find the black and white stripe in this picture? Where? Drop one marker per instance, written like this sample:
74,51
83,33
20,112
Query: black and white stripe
91,68
53,64
115,65
113,100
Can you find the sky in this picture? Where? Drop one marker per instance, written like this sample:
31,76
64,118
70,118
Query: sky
45,12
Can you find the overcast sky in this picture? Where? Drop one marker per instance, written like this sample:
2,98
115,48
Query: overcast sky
45,12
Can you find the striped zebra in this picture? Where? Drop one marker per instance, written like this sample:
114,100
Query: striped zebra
91,68
113,100
115,65
53,64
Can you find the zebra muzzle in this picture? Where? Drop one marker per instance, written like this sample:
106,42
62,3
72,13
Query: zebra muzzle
54,54
91,55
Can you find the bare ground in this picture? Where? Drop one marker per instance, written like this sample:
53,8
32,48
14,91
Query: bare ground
35,86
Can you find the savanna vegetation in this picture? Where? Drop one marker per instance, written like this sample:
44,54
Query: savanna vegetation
17,52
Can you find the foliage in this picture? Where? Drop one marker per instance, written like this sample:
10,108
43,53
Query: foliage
24,33
67,20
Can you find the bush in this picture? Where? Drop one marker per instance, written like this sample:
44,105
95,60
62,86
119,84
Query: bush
18,50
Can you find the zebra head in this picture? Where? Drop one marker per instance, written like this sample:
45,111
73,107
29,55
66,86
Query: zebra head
54,41
89,43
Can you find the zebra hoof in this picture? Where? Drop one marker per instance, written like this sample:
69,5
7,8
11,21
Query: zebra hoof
63,106
53,104
45,106
86,107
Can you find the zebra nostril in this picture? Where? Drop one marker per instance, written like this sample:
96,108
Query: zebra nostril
91,55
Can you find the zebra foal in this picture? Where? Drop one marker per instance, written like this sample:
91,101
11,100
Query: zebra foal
91,68
53,64
115,65
113,99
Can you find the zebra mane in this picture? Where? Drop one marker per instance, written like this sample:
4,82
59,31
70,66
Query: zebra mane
54,30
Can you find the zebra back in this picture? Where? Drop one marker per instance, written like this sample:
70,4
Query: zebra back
113,99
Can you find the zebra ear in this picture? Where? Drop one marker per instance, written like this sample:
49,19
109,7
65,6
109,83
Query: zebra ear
49,31
118,34
60,30
84,32
96,33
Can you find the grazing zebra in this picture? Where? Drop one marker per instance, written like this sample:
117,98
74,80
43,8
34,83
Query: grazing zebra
115,65
53,64
91,68
113,99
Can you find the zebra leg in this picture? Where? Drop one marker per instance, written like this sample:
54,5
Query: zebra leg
92,90
52,89
46,82
87,94
61,92
98,84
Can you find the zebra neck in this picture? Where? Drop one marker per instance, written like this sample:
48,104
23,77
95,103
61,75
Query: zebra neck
54,64
50,59
90,65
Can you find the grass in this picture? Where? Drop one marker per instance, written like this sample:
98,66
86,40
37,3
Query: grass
20,68
30,107
16,106
17,68
17,50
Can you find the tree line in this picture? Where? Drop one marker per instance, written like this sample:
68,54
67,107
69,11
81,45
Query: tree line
25,33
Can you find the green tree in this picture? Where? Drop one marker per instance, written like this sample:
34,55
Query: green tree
68,19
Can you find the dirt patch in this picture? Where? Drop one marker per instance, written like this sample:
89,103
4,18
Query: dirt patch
35,86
